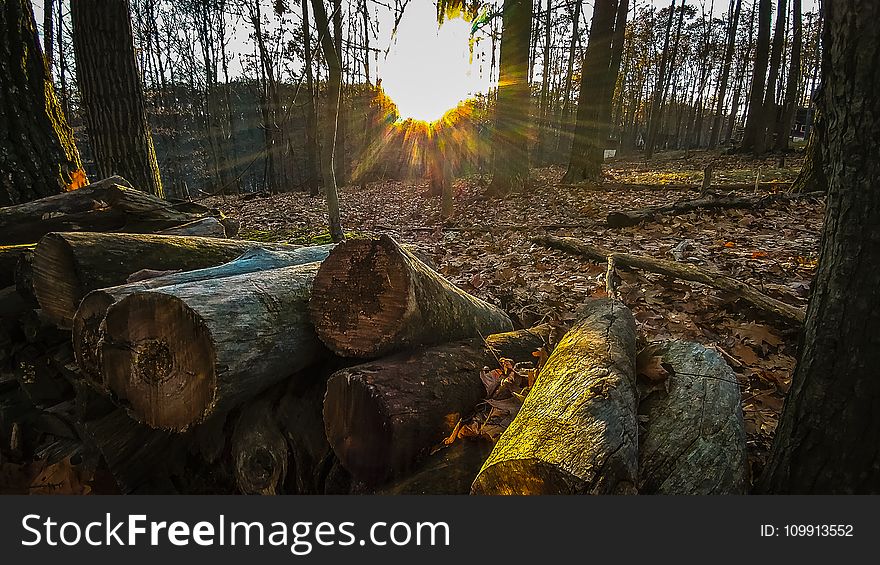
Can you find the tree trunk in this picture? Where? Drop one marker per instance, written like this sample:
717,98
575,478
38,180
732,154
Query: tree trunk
659,88
173,358
693,440
732,22
828,435
585,163
512,114
38,156
373,297
382,417
768,124
93,308
783,127
67,266
577,431
566,93
112,94
313,156
812,176
259,448
755,119
545,89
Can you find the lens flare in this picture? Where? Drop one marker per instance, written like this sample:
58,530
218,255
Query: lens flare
429,69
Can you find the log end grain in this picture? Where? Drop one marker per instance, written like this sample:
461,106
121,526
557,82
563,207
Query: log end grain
56,287
87,334
159,362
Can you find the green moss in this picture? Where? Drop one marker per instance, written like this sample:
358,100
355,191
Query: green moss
296,236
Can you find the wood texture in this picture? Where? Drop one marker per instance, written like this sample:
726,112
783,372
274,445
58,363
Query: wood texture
177,354
373,297
576,432
382,417
693,439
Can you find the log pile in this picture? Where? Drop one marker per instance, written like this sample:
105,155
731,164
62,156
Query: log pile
184,364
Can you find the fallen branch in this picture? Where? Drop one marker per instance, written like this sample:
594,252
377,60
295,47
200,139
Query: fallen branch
681,271
626,218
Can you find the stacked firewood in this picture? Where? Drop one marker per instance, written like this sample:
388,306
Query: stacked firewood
193,364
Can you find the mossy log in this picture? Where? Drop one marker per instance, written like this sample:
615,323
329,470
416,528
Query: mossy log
731,286
67,266
576,432
373,297
693,439
177,354
93,308
382,417
106,205
204,227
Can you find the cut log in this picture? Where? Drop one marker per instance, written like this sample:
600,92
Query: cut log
259,448
69,265
382,417
373,297
205,227
107,205
24,277
451,470
733,287
93,308
177,354
576,432
694,439
626,218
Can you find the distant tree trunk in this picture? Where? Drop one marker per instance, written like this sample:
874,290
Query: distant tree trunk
339,165
812,176
38,156
545,90
768,127
828,437
659,88
566,93
48,33
587,152
112,94
732,21
783,126
755,119
613,71
511,141
312,153
334,88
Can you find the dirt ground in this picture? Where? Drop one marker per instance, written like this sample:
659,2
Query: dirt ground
487,251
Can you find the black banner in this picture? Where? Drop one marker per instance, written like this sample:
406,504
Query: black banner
421,530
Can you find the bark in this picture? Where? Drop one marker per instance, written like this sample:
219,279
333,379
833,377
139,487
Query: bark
373,297
93,308
755,118
259,449
693,440
38,156
576,432
67,266
828,437
783,126
587,152
660,87
510,142
812,176
9,257
112,93
626,218
732,22
313,156
731,286
383,417
173,357
205,227
768,125
451,470
107,205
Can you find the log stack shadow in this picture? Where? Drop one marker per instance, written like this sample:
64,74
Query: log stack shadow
188,364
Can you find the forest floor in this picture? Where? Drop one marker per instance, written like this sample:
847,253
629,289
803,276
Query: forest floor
487,251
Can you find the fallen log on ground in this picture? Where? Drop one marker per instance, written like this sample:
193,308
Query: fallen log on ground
93,308
693,440
692,273
576,432
451,470
625,218
67,266
372,297
204,227
259,448
9,257
382,417
177,354
107,205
